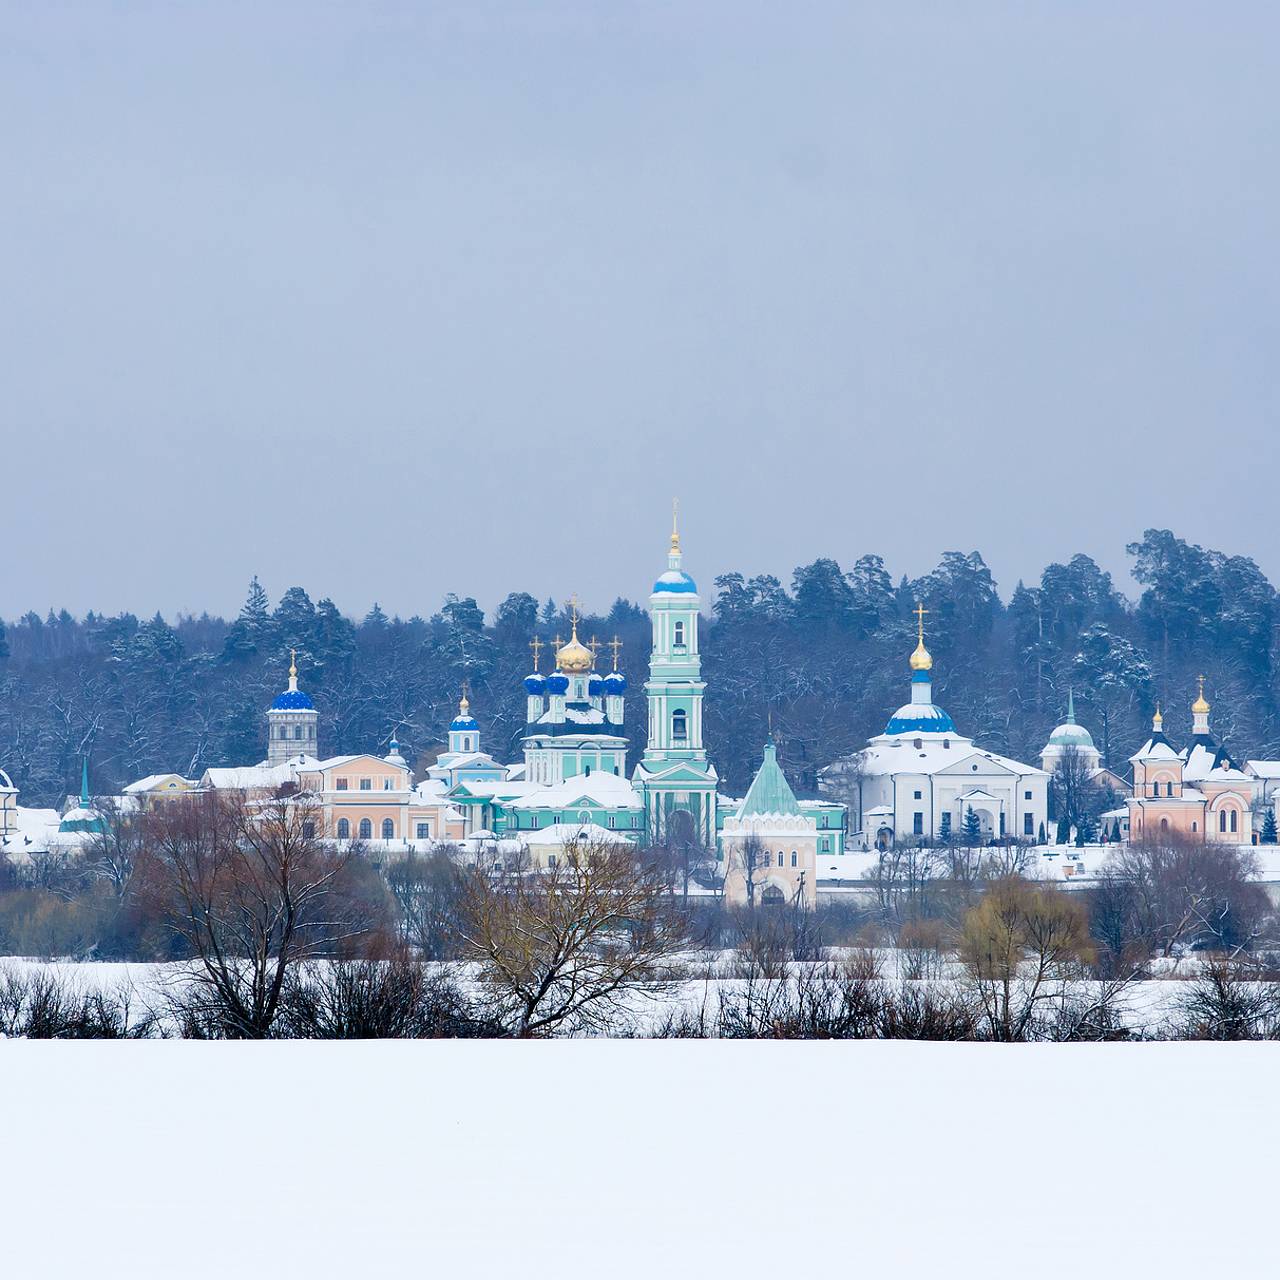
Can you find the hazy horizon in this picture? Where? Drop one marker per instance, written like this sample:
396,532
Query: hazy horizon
476,290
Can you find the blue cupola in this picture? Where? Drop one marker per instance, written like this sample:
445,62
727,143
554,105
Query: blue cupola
615,684
464,732
921,714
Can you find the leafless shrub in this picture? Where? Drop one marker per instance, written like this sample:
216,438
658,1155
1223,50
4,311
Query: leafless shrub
376,999
44,1005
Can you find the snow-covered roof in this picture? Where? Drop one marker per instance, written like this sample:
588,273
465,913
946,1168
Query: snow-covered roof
566,833
31,831
154,781
464,760
249,777
889,755
1263,768
1154,749
588,716
607,790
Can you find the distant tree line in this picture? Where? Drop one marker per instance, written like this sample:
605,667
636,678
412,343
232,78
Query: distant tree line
824,658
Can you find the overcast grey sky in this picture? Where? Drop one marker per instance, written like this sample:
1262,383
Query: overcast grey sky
389,300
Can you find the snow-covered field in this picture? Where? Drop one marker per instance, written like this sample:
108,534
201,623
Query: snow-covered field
636,1158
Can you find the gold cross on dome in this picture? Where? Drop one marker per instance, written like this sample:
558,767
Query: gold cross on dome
536,645
573,608
920,611
594,646
615,644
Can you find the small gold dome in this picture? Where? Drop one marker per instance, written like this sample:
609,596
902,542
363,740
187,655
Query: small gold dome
1200,706
921,659
1157,720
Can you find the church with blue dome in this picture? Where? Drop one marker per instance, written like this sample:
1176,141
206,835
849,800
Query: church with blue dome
919,779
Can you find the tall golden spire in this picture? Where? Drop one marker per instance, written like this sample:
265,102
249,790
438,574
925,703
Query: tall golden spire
921,659
675,524
1200,706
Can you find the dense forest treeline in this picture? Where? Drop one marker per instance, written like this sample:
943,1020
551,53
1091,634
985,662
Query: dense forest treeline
825,658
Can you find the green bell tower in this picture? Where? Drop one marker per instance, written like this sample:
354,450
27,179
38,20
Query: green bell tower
674,776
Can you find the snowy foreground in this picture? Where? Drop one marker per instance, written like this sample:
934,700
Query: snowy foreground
630,1158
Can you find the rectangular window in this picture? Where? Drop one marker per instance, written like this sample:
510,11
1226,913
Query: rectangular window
1028,824
917,824
366,784
917,795
340,784
1026,795
424,831
308,830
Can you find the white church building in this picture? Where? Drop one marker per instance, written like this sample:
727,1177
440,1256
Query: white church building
919,778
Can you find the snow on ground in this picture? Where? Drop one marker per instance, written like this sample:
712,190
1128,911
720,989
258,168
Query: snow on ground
626,1158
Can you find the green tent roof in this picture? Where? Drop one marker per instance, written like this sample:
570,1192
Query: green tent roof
770,791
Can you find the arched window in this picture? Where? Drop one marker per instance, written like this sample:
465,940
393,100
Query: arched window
780,856
344,829
366,829
679,635
1234,816
1164,824
388,829
679,726
793,857
297,732
1222,819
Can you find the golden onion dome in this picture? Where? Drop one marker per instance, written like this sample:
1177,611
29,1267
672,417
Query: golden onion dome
921,660
574,657
1200,706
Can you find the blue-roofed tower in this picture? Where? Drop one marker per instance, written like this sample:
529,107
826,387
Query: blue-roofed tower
921,715
464,731
674,774
291,721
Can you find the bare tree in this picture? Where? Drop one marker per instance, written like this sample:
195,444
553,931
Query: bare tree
250,892
752,858
428,891
563,948
1171,893
1020,945
114,851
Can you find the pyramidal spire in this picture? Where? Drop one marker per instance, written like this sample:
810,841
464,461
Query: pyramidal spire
1071,706
770,792
84,782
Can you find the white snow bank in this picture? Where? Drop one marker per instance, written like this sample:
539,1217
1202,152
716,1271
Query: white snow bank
634,1158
